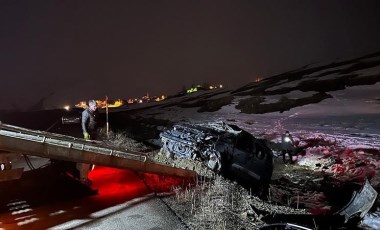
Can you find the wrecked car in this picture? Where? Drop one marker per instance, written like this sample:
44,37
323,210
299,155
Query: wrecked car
224,148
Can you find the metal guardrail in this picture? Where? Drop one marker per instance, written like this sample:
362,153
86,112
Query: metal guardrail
62,147
59,140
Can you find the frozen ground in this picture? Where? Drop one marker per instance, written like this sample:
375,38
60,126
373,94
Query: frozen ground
340,134
351,139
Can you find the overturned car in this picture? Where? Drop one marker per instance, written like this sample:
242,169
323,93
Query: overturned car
224,148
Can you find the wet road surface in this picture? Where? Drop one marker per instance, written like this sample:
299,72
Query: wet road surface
45,198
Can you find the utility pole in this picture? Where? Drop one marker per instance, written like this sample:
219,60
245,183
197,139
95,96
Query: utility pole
107,115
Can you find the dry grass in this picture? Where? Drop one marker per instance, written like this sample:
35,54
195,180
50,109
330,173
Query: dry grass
195,165
221,204
120,140
212,202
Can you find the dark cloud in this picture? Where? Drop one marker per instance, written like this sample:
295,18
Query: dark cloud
84,49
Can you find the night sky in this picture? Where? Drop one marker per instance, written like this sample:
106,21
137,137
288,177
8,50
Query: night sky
67,51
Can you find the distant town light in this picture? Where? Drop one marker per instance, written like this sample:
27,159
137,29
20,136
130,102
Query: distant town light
220,86
67,107
192,90
102,104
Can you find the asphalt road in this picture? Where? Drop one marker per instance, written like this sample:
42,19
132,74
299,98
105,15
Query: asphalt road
45,198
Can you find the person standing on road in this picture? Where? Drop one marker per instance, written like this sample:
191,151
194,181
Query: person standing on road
89,126
287,145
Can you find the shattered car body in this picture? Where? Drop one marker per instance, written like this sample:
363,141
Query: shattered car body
346,218
224,148
360,203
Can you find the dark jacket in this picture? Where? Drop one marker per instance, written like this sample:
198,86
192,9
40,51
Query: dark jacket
89,123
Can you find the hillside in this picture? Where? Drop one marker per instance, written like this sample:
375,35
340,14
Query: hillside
332,110
348,92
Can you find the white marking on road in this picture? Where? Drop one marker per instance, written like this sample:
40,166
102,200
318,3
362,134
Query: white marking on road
57,213
27,221
19,207
24,217
22,211
16,203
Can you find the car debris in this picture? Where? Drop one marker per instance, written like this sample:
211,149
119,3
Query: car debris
360,203
224,148
346,218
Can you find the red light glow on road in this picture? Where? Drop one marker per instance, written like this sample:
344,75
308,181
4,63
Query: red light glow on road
112,182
